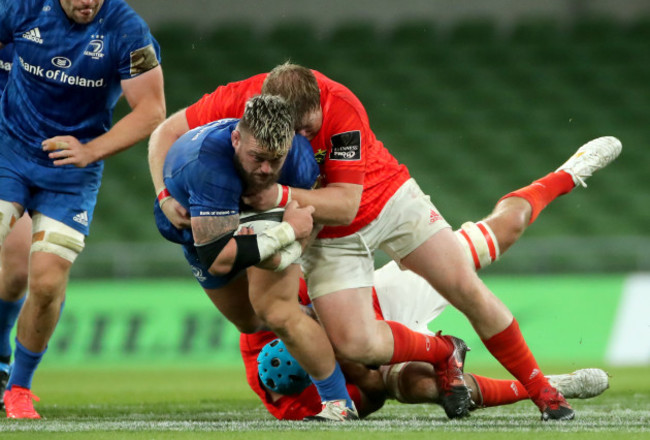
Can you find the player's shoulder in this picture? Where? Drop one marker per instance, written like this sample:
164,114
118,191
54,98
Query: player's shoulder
338,96
122,18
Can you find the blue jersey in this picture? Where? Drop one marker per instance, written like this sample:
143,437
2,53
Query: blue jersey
200,174
6,58
66,76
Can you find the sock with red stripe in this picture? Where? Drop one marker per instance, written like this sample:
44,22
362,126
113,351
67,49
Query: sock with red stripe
495,392
511,350
410,345
543,191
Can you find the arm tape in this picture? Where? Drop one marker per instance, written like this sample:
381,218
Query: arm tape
209,252
288,256
251,249
247,251
273,239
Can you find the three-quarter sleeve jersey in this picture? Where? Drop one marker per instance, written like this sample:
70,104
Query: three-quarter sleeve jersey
345,147
66,76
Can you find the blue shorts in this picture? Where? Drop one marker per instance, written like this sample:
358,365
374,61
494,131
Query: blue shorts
67,194
186,240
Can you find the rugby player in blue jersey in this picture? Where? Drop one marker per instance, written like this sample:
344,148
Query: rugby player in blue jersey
204,176
73,59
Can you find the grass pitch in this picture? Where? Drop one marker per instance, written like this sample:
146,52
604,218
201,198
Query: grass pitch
197,404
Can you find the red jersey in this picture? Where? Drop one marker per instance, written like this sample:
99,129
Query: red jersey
345,148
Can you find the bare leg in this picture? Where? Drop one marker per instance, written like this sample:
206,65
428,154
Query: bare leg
40,313
14,260
233,303
274,299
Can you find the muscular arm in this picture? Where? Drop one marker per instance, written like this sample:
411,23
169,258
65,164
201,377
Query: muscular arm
336,204
146,97
207,229
161,141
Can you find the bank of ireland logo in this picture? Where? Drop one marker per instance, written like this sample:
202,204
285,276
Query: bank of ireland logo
61,62
95,49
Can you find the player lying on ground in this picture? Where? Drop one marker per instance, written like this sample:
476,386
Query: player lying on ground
407,298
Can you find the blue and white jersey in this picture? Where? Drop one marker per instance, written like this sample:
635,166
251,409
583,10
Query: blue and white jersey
66,76
200,174
6,59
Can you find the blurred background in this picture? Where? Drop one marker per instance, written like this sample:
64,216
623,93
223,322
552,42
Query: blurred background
476,97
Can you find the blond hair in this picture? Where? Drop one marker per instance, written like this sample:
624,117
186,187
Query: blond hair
296,84
268,119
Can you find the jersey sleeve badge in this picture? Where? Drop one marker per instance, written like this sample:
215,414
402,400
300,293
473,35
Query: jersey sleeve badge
143,60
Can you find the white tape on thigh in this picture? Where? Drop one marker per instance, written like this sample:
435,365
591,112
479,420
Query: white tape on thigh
479,242
8,217
54,237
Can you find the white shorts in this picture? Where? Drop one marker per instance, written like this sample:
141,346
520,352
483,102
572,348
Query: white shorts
408,220
407,298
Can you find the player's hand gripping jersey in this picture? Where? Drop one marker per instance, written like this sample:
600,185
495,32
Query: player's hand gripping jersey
63,70
345,148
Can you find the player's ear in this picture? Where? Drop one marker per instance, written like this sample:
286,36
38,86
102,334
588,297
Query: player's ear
235,138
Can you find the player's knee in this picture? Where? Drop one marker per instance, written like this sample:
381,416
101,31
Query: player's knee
279,318
56,238
14,282
355,346
9,215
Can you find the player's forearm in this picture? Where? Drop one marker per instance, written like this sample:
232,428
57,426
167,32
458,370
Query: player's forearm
334,205
161,140
132,128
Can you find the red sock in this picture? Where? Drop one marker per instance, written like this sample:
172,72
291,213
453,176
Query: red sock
543,191
410,345
509,348
496,392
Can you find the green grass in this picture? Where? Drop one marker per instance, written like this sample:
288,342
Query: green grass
165,404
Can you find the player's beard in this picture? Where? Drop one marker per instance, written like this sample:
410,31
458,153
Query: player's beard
254,183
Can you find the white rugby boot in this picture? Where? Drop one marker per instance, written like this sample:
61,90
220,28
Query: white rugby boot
581,384
334,411
591,157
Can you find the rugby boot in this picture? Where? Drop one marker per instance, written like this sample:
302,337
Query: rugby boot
591,157
19,403
454,394
553,405
334,411
581,384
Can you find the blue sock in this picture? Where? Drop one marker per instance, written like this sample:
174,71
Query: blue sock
8,314
333,388
25,364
